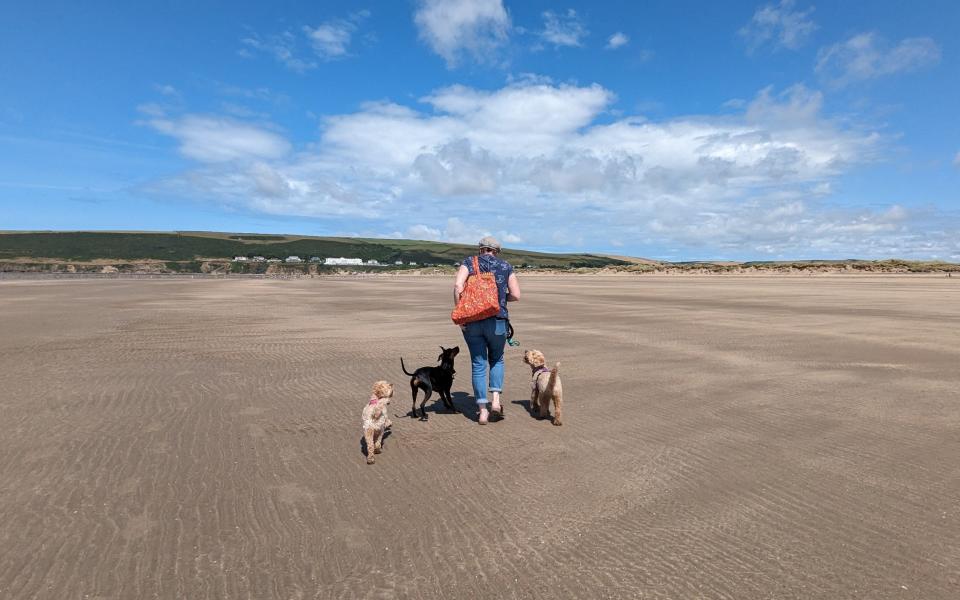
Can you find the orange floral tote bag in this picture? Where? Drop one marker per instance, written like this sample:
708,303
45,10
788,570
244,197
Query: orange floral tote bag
479,299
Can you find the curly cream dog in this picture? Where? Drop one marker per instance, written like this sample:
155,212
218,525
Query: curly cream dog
374,418
544,387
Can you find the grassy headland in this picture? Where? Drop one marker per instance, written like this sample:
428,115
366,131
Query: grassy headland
213,252
189,251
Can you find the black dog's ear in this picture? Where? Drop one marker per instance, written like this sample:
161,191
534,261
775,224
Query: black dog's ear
455,350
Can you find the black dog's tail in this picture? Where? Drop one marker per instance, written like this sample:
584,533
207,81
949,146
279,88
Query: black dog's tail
404,367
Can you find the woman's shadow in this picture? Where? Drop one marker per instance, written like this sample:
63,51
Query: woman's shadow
435,405
467,405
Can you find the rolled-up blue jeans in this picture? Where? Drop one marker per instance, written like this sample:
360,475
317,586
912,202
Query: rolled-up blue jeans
486,340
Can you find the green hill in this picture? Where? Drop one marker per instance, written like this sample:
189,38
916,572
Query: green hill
213,252
192,246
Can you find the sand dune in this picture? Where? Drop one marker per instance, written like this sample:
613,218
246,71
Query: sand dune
723,438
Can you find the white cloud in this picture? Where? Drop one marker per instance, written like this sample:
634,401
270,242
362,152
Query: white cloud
546,112
778,25
282,47
268,182
563,29
423,232
456,27
458,232
218,139
331,39
866,56
167,90
546,164
617,40
152,109
241,111
458,169
787,225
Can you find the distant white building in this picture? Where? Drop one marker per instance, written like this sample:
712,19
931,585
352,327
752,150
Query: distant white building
399,262
412,264
258,259
240,259
294,259
316,259
273,260
373,262
343,261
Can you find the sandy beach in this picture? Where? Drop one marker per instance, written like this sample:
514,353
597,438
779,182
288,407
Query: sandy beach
724,437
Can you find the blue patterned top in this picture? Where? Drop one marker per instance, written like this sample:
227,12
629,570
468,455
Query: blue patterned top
501,270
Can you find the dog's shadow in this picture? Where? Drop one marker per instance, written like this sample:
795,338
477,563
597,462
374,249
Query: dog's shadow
465,404
527,406
462,401
383,441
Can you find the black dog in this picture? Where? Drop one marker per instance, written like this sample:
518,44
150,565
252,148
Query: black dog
433,378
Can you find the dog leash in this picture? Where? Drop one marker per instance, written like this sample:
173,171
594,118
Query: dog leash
510,339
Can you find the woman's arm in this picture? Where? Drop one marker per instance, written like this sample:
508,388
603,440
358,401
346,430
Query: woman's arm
513,288
461,281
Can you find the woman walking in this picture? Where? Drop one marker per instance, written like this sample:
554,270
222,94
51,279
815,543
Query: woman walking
486,338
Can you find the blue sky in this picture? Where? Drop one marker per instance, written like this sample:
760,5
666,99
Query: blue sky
677,130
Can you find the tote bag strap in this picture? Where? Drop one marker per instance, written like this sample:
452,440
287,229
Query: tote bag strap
476,266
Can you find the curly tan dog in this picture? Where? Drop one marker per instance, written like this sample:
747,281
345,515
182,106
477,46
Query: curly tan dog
375,420
544,387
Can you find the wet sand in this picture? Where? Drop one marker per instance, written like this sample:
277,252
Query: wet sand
724,437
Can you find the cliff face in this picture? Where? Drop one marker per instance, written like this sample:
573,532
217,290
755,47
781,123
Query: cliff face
106,267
